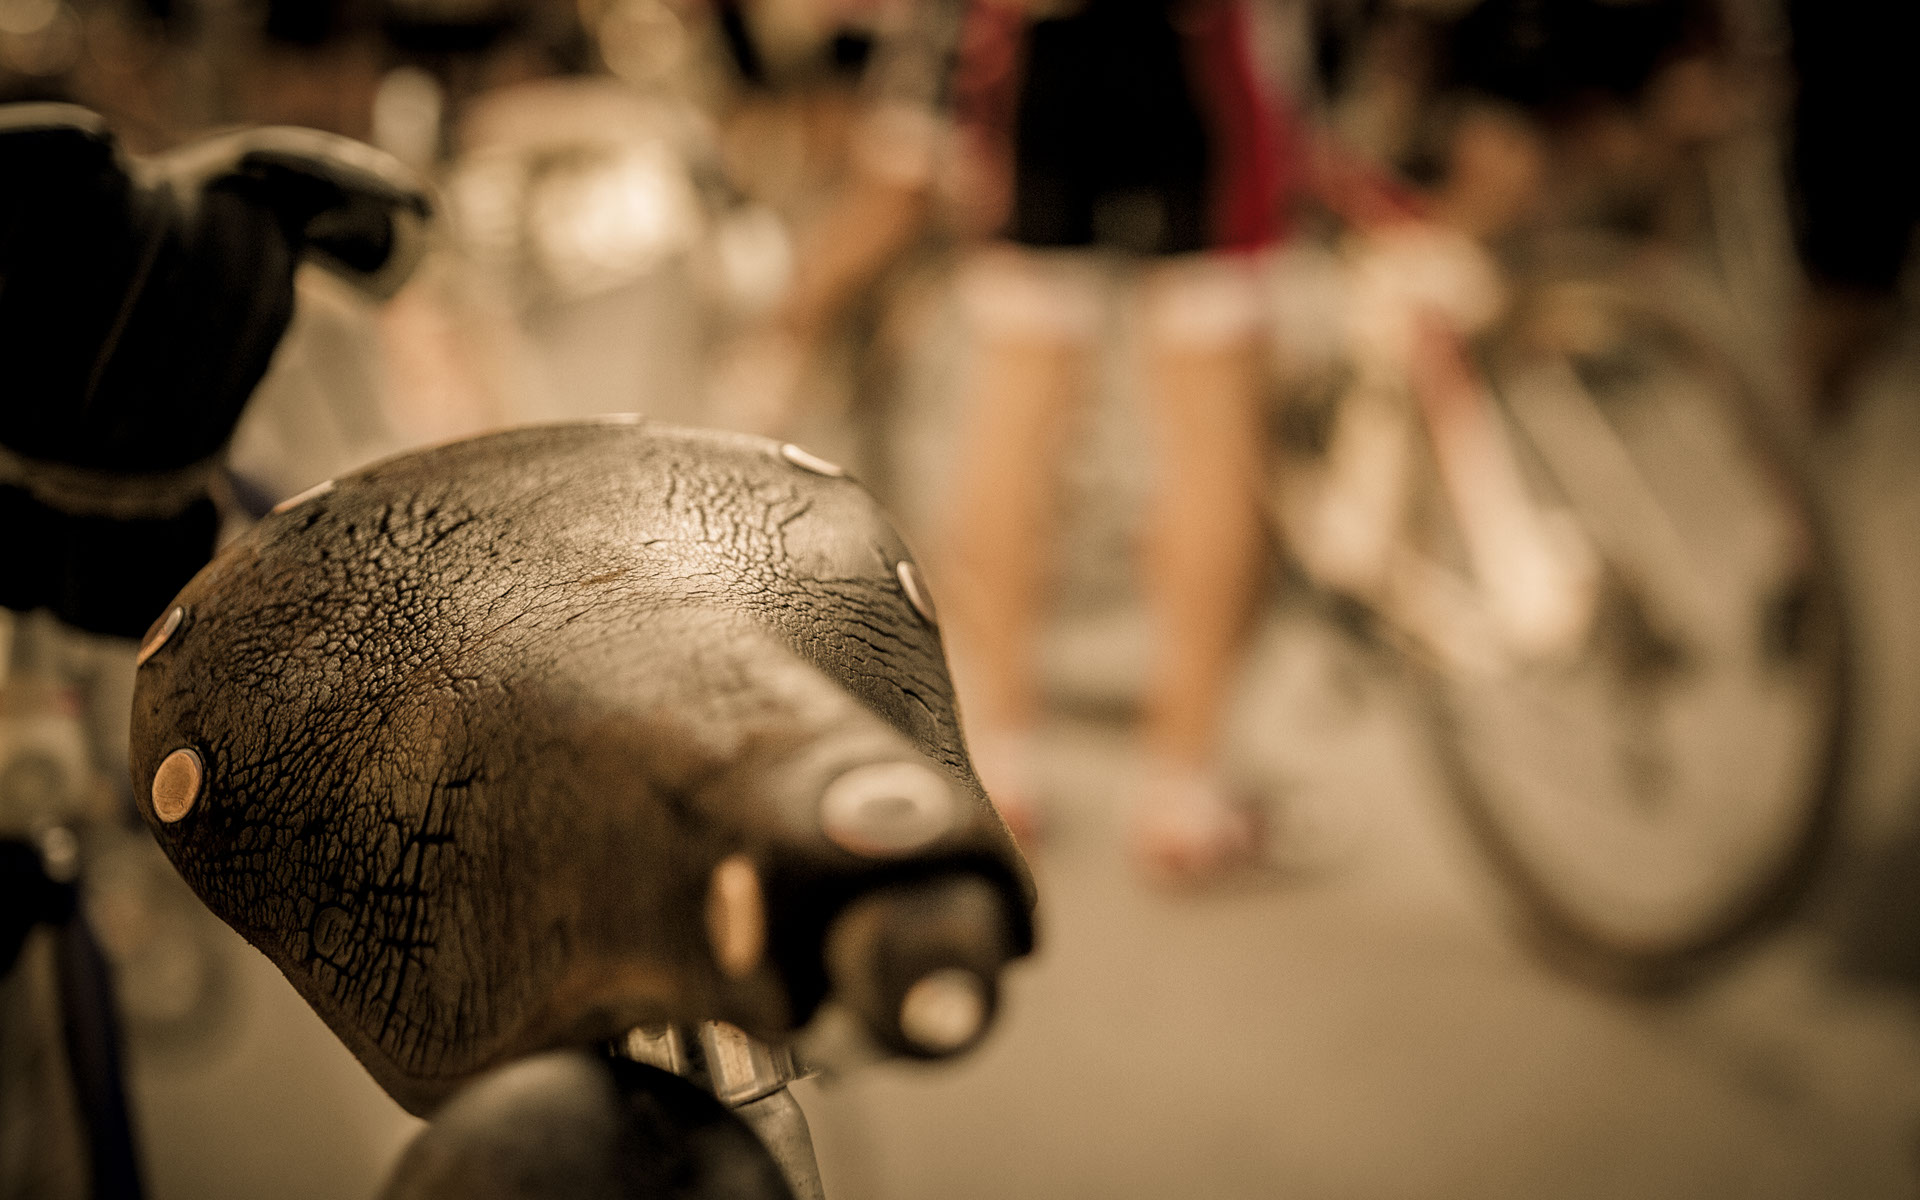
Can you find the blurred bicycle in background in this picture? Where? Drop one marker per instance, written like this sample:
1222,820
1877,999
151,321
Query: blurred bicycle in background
1527,437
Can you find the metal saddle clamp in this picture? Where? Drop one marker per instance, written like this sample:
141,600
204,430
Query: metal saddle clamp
749,1076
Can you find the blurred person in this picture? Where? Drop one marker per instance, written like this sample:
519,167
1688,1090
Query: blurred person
831,126
1141,130
1125,139
352,381
562,282
588,266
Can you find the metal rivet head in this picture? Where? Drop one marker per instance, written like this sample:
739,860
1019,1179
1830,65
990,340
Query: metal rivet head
917,593
176,785
313,493
736,916
158,633
944,1010
887,808
811,462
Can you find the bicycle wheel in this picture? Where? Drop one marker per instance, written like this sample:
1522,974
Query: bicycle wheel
1660,793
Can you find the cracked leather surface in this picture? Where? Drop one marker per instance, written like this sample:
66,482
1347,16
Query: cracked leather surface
478,722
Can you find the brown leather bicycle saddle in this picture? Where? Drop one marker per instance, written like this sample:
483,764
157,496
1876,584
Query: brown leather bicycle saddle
530,739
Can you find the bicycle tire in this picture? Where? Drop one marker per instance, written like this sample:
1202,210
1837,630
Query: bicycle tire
1565,913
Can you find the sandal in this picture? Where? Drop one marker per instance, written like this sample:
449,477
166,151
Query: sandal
1192,830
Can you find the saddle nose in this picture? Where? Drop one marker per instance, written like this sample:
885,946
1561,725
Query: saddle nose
522,742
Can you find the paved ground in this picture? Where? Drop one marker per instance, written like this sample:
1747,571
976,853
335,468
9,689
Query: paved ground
1376,1032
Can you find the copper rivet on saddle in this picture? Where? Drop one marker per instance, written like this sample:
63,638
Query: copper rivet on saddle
811,462
917,593
313,493
736,916
158,635
887,808
176,785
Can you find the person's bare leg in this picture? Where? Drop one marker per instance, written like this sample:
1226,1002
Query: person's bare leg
1003,521
1203,563
1025,386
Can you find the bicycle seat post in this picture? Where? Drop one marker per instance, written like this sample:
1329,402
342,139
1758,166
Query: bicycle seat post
750,1077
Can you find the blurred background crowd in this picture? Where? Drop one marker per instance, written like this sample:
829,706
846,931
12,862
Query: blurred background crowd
1088,293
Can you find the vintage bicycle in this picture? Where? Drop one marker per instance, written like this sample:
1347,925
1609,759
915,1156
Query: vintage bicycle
1553,475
